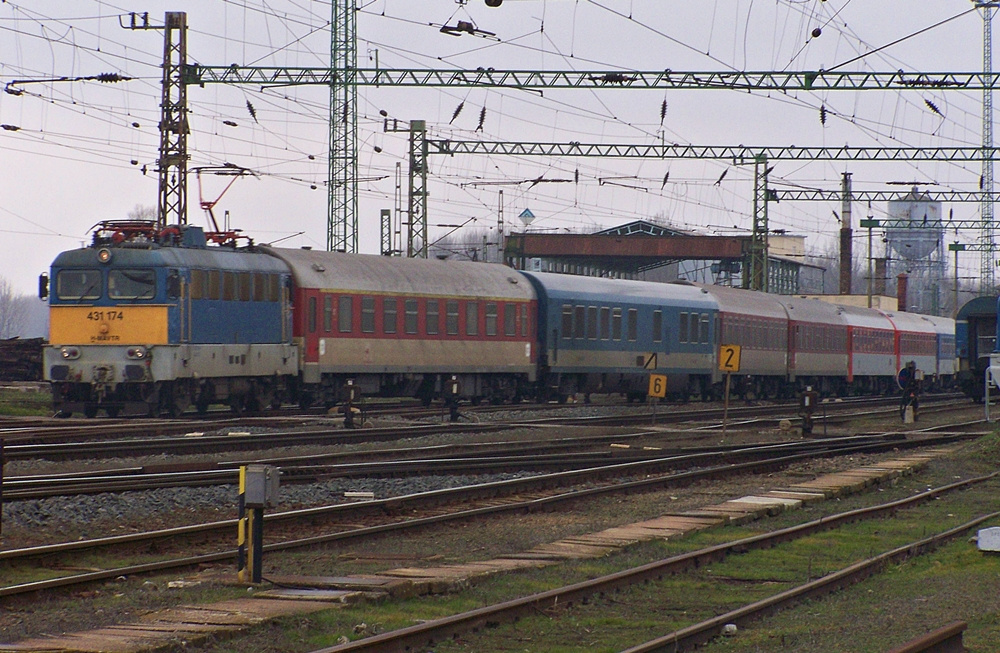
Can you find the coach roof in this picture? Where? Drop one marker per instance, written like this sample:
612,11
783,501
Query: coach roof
366,273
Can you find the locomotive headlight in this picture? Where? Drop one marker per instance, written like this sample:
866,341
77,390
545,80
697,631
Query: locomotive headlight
69,353
104,255
137,353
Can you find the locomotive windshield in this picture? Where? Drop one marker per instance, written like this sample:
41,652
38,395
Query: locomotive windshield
132,284
78,284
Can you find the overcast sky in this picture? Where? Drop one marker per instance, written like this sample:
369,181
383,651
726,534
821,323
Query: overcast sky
85,151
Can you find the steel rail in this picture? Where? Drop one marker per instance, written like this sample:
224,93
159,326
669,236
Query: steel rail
395,505
426,634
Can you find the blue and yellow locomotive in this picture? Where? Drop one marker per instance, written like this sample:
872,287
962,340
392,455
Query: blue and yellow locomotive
152,321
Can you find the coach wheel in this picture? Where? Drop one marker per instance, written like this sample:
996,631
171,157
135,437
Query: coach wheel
90,411
63,414
113,411
201,406
236,405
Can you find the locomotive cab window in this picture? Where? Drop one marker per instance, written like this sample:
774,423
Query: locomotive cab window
132,284
78,284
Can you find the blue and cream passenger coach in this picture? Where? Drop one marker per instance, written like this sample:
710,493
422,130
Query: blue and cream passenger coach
153,321
608,335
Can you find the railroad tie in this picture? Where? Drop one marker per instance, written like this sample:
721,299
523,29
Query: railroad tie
301,595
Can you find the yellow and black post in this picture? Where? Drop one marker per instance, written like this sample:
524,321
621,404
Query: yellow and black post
241,526
258,489
2,461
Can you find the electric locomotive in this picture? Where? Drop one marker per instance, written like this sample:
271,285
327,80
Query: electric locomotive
147,321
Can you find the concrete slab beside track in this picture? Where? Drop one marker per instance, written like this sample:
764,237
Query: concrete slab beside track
302,595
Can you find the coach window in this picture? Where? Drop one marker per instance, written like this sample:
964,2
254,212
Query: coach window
433,317
345,313
368,315
451,317
510,320
228,286
78,284
657,326
245,282
592,323
633,324
524,321
616,324
131,284
312,315
693,328
579,323
491,318
328,313
704,329
567,321
472,318
389,319
410,316
605,323
682,328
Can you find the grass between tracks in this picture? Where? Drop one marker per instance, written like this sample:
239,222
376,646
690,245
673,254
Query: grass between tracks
27,403
956,582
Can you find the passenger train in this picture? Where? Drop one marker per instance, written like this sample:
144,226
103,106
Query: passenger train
148,321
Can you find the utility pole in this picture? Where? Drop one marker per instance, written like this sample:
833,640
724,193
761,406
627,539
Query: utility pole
342,188
846,237
988,228
174,128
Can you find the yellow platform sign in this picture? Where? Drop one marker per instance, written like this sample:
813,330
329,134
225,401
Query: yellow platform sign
657,385
108,325
729,358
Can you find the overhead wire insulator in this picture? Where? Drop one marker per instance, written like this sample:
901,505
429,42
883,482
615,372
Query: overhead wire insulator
822,114
933,107
458,110
253,112
663,112
111,78
482,119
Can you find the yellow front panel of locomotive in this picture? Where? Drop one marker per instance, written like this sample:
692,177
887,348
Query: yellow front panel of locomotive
108,325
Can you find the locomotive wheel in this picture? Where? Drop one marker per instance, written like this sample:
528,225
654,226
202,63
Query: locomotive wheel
90,411
112,411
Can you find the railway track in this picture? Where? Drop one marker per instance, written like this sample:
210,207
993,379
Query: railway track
700,632
437,507
198,442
